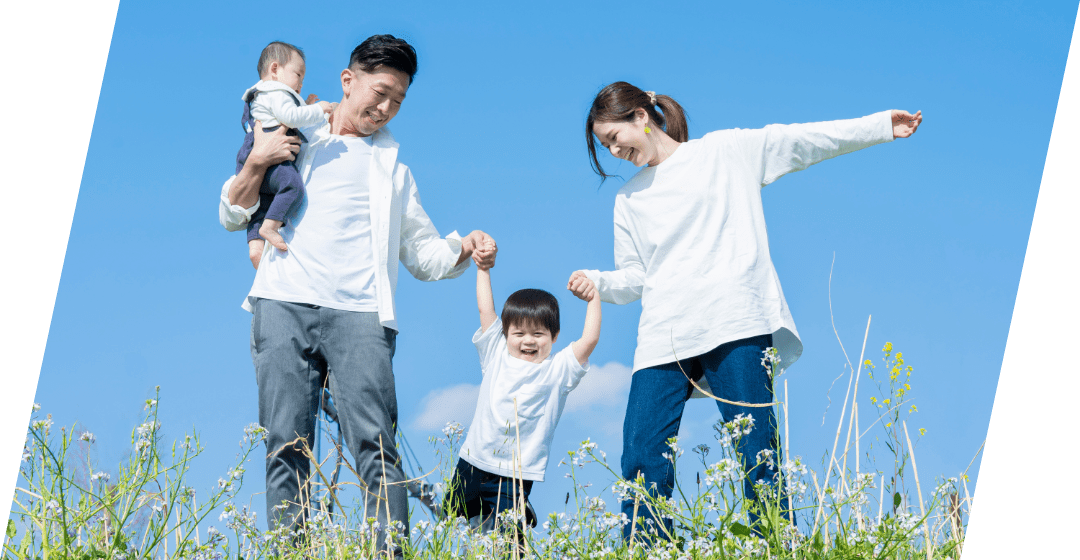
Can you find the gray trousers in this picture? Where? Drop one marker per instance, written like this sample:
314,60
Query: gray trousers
298,349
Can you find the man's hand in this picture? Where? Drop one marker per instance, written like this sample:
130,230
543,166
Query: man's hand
905,124
482,242
272,148
581,286
269,148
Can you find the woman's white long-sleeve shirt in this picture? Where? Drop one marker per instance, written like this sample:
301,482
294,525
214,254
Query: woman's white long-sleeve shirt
690,238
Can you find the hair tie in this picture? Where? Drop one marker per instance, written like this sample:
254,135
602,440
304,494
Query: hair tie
652,97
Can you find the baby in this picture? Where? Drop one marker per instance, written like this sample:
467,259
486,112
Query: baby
522,395
275,101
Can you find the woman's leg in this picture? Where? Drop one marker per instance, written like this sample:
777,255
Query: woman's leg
735,373
653,413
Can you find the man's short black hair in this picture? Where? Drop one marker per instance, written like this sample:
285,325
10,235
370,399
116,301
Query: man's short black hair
384,50
278,52
530,307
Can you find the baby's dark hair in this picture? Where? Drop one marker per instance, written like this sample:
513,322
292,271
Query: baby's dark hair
531,307
278,52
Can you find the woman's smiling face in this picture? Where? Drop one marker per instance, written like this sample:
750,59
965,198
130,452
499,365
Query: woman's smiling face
628,140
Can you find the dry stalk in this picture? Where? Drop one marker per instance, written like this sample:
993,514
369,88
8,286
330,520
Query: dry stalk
855,415
918,488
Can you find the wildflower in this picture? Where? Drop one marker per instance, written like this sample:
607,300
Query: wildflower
36,407
453,429
766,456
922,431
150,403
87,437
913,409
889,425
887,401
100,476
888,348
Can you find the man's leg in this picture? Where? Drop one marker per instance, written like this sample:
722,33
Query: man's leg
735,373
358,352
289,377
653,414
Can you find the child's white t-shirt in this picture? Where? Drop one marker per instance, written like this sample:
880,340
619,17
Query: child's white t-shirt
540,389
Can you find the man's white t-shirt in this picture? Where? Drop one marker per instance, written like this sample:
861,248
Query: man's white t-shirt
330,261
540,390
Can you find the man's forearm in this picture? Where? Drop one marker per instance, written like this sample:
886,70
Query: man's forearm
244,190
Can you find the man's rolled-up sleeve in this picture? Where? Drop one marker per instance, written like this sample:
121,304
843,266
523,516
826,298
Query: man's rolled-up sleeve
425,254
231,216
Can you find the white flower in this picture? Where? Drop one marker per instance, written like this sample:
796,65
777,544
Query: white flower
87,437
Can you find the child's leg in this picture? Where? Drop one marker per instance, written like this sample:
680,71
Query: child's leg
498,494
735,373
284,181
462,498
653,414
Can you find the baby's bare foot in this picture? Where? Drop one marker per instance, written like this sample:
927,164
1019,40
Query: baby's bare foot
269,232
255,251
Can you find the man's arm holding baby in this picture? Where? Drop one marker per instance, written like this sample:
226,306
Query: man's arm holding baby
584,289
269,148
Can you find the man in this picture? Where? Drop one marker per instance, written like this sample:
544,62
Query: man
323,310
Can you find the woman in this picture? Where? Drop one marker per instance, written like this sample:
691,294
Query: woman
690,242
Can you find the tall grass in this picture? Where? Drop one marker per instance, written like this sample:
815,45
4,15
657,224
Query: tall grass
860,503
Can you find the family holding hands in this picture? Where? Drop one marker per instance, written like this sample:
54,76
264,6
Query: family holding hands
322,184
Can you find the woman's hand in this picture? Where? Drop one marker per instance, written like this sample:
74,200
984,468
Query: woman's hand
905,124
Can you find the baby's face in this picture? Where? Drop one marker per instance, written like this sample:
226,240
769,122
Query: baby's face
531,343
291,74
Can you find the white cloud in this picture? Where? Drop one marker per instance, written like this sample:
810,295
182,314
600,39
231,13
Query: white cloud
604,385
456,403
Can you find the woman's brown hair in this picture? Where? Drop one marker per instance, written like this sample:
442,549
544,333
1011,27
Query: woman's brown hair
619,101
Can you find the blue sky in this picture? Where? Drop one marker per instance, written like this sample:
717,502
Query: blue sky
928,233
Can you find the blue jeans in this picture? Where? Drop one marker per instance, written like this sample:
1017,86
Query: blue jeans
657,398
298,349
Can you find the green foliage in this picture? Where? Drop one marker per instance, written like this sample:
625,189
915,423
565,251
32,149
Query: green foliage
65,507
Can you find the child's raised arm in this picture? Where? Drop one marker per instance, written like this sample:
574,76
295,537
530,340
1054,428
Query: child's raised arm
584,289
484,300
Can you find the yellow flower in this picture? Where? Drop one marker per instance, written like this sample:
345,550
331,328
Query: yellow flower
889,425
887,348
907,387
913,409
868,363
873,399
922,431
887,401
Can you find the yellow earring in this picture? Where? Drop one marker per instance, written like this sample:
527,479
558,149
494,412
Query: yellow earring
647,130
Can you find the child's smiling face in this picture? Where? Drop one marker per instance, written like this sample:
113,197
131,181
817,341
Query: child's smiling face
531,343
291,74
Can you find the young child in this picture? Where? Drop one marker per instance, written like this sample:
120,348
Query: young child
522,395
275,101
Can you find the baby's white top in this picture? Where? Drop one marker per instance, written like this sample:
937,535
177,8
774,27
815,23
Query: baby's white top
272,104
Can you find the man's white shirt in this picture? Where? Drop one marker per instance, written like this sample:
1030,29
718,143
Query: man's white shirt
399,227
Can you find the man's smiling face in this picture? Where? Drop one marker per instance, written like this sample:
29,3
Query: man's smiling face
370,100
